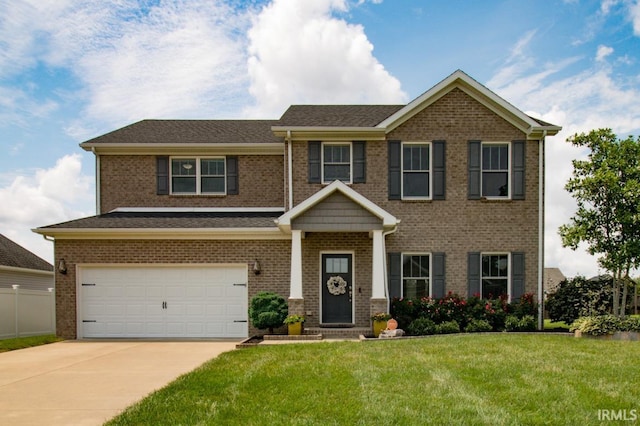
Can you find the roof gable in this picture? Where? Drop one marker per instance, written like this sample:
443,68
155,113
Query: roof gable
471,87
388,220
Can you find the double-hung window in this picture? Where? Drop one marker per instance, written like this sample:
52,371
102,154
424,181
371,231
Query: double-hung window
416,275
416,166
495,170
336,162
198,175
495,275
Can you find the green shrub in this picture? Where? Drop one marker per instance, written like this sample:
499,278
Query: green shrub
267,310
447,327
404,311
478,326
421,327
579,297
526,323
597,325
631,324
526,305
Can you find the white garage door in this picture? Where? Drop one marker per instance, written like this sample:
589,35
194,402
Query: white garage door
160,302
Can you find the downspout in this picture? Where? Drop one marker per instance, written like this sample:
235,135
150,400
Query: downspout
93,149
384,266
541,154
289,174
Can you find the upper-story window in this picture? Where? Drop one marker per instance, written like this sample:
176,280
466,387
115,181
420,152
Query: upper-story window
198,175
495,170
416,166
336,162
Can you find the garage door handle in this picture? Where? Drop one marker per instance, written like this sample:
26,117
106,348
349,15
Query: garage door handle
240,285
240,321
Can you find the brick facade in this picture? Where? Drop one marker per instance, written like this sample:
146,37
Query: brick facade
260,183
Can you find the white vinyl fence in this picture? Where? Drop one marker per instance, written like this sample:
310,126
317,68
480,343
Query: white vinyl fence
26,312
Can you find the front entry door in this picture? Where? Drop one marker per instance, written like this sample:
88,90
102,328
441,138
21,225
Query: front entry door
337,289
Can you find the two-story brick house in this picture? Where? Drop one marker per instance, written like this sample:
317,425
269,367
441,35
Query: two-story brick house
336,207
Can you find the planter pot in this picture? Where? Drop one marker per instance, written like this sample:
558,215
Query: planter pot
378,327
295,329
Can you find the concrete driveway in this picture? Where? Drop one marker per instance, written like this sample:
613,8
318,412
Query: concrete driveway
89,382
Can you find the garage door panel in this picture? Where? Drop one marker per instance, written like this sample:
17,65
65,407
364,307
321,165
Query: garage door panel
164,301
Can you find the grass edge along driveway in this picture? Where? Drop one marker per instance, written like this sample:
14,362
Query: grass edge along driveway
483,379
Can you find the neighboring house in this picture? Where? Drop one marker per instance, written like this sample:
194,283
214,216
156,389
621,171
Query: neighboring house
18,266
338,208
552,279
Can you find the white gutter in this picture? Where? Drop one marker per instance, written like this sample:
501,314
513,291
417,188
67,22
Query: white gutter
541,153
93,149
290,165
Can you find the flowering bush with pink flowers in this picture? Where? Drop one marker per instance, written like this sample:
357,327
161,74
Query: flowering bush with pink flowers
453,307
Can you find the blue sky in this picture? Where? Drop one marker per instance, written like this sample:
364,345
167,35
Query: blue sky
72,70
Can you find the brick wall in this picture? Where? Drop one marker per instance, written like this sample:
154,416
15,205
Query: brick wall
130,181
274,257
456,225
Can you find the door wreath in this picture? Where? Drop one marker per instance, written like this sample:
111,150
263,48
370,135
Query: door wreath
337,286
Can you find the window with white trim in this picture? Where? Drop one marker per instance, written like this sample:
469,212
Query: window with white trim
336,162
416,281
495,170
198,175
495,272
416,166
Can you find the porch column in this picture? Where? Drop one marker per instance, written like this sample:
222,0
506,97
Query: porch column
377,274
295,291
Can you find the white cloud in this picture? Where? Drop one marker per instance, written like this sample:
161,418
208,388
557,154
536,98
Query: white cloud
44,197
634,14
603,52
301,53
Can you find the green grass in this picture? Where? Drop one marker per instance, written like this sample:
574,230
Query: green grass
26,342
471,379
550,325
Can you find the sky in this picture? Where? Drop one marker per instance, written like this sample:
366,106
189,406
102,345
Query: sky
71,70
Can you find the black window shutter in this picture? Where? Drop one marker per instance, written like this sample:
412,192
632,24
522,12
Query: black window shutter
395,170
517,169
474,158
162,174
359,162
473,274
314,148
232,175
517,276
438,284
439,175
395,275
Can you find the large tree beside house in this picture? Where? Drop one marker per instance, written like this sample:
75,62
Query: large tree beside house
606,187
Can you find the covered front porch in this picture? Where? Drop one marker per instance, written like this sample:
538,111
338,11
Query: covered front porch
338,258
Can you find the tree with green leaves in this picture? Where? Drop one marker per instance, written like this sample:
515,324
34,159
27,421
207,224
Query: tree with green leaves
606,187
267,310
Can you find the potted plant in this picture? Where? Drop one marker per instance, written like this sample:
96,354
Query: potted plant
294,323
380,322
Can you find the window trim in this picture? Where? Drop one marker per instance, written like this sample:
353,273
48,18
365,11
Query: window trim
509,170
198,175
509,271
429,278
322,163
430,171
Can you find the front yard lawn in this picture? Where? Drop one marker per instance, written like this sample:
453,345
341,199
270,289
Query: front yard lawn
470,379
26,342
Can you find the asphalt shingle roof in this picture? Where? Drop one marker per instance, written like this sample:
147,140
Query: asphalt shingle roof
14,255
192,131
169,220
337,115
